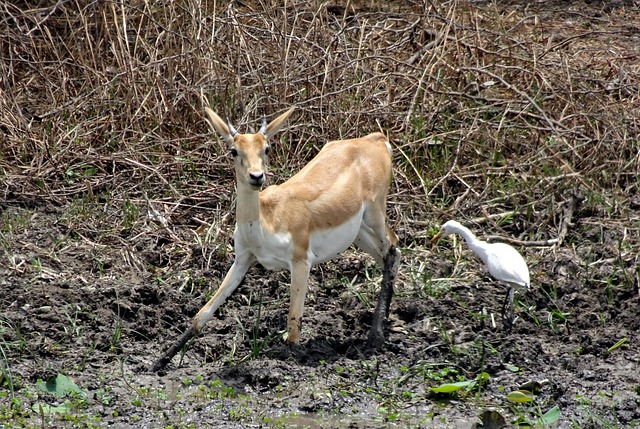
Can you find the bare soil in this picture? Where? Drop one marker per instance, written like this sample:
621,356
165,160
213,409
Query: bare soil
66,311
116,211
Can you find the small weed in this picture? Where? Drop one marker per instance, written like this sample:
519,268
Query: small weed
6,347
462,387
388,412
622,343
37,264
77,172
430,373
117,331
15,222
421,279
531,415
257,343
446,336
80,210
352,287
554,317
216,390
190,284
104,397
117,334
72,312
130,215
210,241
602,318
531,314
239,414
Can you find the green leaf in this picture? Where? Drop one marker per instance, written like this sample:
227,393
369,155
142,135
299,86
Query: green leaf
41,407
550,417
512,368
451,387
520,396
622,342
60,386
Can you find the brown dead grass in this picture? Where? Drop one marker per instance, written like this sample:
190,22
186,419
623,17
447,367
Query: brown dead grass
499,113
492,109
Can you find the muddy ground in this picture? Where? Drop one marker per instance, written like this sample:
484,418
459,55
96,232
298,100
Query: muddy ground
83,310
102,265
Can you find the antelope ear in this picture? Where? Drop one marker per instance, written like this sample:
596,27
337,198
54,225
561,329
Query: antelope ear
275,125
218,124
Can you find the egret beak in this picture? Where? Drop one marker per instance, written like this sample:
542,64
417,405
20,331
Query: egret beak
436,237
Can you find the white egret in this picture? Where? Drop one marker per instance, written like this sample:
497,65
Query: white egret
504,263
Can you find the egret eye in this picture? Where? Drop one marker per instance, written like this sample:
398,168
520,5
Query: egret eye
234,152
267,150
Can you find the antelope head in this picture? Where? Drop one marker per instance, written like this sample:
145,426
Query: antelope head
249,151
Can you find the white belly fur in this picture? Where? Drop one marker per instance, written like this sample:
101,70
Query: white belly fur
273,251
326,244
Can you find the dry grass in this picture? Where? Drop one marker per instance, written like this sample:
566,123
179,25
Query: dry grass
491,109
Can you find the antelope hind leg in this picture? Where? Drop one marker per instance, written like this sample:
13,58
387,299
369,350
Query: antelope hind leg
390,270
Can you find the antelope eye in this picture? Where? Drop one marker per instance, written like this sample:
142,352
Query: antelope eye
234,152
267,150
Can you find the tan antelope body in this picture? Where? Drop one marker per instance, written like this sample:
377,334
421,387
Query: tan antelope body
336,200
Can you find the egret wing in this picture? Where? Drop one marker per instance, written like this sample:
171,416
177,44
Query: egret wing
506,264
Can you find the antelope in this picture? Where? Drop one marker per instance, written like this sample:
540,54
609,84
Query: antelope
339,198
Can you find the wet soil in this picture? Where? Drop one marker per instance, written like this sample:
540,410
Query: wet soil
102,314
85,294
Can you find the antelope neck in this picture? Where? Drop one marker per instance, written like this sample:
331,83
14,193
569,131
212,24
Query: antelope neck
248,204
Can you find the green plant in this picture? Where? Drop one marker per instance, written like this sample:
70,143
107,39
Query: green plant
117,331
6,378
72,312
257,343
554,317
130,214
462,386
353,287
37,264
430,372
60,386
624,342
76,172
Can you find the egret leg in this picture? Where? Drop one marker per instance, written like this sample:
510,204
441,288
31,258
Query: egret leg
508,314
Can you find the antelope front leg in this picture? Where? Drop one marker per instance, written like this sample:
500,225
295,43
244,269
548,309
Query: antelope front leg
299,285
231,281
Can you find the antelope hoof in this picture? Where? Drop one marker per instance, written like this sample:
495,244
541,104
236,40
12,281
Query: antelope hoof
376,338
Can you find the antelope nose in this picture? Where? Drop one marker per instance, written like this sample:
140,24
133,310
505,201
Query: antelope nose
257,178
